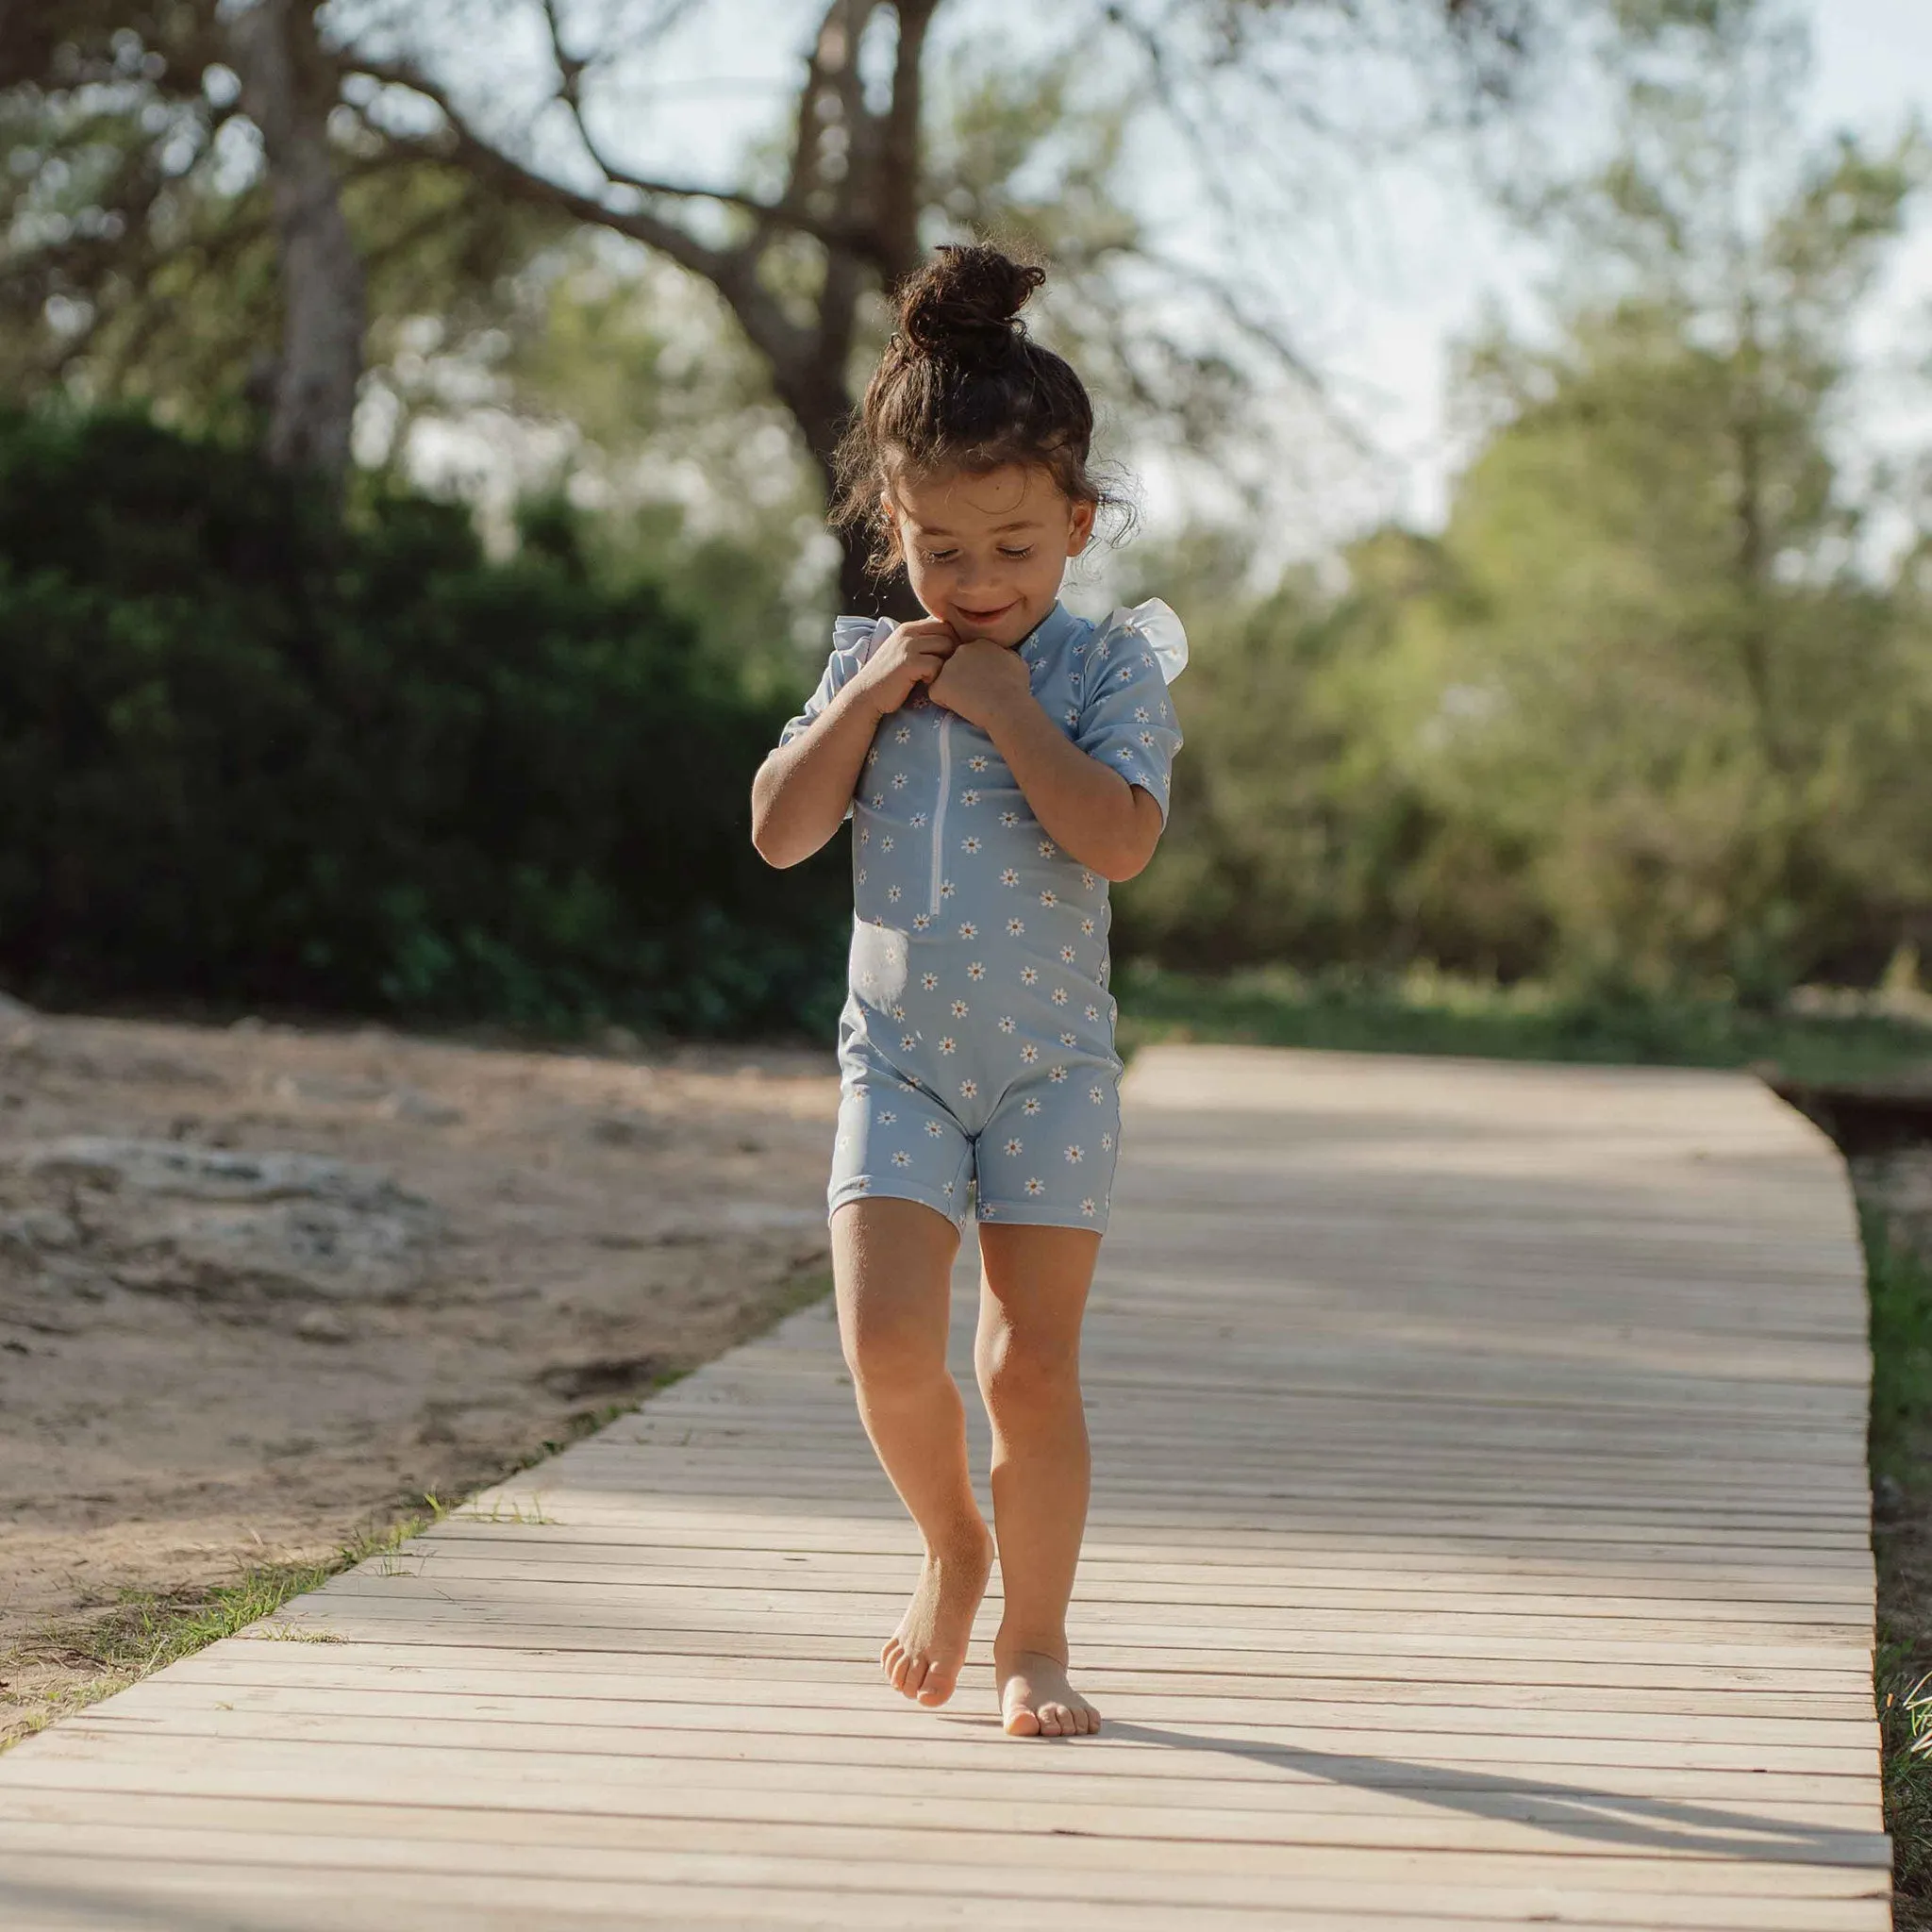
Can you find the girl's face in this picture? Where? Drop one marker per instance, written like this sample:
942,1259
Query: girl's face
985,551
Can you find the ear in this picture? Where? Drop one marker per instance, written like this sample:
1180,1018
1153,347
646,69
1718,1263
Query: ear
888,509
1080,528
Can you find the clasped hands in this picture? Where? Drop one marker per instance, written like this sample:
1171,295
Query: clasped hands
974,677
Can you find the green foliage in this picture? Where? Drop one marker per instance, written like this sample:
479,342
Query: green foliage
1427,1012
249,756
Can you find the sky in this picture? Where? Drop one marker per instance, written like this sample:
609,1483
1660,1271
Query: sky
1392,265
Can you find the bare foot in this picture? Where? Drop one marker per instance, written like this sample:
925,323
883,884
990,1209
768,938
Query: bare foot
923,1656
1036,1700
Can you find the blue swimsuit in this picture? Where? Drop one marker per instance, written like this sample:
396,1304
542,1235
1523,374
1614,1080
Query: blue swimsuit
976,1042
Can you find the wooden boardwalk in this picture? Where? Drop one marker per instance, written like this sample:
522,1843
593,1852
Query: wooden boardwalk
1480,1539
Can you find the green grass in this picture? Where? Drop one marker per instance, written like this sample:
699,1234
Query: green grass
1432,1013
1901,1454
146,1629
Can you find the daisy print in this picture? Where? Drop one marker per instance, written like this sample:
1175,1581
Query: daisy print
918,821
972,797
898,781
1014,1147
1029,976
1009,819
1087,881
1049,897
902,736
907,1042
1015,927
1057,1075
1029,1052
1047,848
1006,1022
930,981
1009,877
894,893
933,1130
1030,1108
1094,1012
886,1117
1087,1208
947,889
959,1010
902,1158
977,970
1060,995
886,842
969,1090
969,846
1035,1185
1070,1039
1087,926
977,761
921,921
1075,1156
1098,1096
949,1044
968,931
1067,954
1107,1144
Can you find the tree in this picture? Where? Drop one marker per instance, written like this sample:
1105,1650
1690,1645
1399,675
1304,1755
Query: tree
867,176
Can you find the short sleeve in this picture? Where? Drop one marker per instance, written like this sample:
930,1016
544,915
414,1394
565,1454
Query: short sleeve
854,640
1127,718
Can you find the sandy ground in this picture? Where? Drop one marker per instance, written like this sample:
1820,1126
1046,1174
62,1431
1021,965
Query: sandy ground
211,1358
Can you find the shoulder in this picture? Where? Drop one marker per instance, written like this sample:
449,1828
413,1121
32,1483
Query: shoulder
1147,637
858,637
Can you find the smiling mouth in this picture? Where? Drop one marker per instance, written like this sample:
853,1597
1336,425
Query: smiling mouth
989,616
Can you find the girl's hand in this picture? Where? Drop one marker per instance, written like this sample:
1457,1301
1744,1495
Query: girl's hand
913,654
982,681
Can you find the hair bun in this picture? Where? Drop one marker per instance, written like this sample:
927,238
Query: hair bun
965,302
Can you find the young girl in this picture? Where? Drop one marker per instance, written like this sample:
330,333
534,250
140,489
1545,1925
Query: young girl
1002,760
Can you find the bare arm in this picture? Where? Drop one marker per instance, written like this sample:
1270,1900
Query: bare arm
1087,810
803,789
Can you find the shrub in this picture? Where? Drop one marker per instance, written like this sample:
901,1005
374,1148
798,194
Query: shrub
251,753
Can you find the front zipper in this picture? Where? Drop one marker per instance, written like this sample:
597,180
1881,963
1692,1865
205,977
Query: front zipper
938,814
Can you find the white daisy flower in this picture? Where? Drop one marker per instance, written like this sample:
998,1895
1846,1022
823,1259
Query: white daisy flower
1094,1012
1056,1074
1030,1108
969,844
1070,1039
918,821
861,874
907,1042
1009,877
1098,1096
1087,1208
987,1210
1015,927
862,1183
921,921
1029,1052
1047,848
1087,881
878,801
902,1158
947,889
959,1010
865,837
1009,819
904,735
1073,715
894,893
977,970
868,979
898,1012
1013,1146
969,1090
968,931
977,763
933,1130
886,842
1049,897
1036,1186
1067,954
1087,926
886,1117
1107,1144
930,981
898,781
1075,1156
1006,1022
1141,713
949,1044
969,798
1029,976
1124,674
1147,738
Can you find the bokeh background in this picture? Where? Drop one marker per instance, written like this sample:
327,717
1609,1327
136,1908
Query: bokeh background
413,465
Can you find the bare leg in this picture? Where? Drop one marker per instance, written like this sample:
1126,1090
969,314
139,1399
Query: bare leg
1028,1357
892,1262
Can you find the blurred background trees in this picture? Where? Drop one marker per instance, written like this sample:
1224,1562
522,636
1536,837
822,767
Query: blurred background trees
1649,712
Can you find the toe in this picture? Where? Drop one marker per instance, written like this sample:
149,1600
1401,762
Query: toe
917,1670
938,1686
1021,1723
901,1664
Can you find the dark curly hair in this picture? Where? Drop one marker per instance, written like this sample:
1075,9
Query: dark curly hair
962,386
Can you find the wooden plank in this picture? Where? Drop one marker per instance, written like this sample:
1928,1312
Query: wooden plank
1480,1535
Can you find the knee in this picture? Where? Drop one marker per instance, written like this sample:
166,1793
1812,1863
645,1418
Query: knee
890,1359
1021,1373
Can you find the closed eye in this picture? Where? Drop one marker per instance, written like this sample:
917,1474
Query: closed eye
940,555
1016,554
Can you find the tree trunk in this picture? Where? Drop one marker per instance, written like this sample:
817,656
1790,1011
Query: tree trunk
288,89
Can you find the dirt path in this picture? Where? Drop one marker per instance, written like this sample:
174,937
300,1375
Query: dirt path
259,1287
